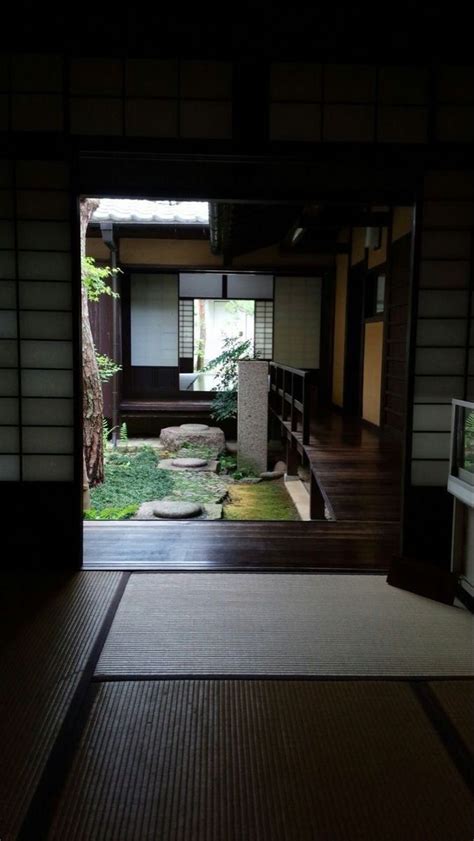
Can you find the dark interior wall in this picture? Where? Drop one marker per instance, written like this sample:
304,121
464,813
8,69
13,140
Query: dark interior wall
112,126
394,386
438,360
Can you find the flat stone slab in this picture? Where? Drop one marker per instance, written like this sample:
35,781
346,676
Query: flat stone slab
209,511
189,462
171,510
170,464
271,474
211,437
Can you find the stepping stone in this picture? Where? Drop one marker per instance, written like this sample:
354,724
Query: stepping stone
189,462
212,437
231,447
272,474
169,510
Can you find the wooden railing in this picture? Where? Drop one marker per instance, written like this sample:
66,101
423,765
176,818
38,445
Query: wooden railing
290,396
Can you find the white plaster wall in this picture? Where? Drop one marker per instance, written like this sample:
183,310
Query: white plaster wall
297,321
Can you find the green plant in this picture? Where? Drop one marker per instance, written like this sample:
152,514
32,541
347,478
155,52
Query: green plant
124,433
227,464
111,513
107,367
94,279
224,404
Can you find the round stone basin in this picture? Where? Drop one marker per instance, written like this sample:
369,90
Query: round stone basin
189,462
194,427
169,510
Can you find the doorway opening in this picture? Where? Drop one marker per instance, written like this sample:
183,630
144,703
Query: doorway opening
314,291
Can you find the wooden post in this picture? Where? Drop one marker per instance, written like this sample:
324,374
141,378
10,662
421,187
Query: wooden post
316,500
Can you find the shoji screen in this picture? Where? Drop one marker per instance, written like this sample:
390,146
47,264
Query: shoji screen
442,330
154,320
36,374
297,321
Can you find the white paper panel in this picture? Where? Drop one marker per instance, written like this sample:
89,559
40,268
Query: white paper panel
295,121
436,418
8,410
297,321
37,72
149,77
8,353
7,265
43,204
7,294
151,118
448,214
6,204
440,361
438,389
96,116
441,333
200,285
47,468
37,112
37,295
46,354
46,383
430,445
46,175
7,325
295,80
42,439
446,274
442,305
7,234
430,473
44,235
207,79
45,325
206,119
349,123
34,265
154,319
446,244
9,468
9,382
9,439
247,286
38,411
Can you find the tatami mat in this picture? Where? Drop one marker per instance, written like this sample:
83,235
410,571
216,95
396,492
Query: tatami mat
457,699
261,761
276,625
56,622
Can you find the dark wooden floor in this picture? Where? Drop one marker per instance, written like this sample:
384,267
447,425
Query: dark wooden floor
361,475
359,471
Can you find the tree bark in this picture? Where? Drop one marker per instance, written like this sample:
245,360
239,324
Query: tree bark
93,404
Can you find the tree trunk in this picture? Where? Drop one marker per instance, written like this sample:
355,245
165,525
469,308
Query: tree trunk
93,405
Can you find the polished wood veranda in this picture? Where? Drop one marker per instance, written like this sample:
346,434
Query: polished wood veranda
360,474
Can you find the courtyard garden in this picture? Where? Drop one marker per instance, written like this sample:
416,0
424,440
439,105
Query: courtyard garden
137,477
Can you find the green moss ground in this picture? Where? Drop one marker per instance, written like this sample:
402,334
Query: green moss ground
263,501
133,478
